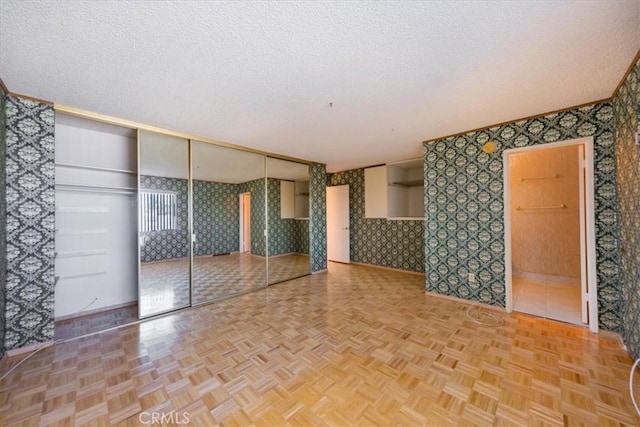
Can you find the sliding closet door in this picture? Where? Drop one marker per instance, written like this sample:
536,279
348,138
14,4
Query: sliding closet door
163,224
228,222
288,223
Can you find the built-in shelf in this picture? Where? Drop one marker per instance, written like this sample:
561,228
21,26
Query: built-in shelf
294,199
394,191
537,178
409,183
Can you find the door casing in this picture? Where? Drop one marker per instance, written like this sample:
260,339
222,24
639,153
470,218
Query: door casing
338,227
588,234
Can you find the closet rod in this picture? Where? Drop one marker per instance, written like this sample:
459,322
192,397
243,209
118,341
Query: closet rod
526,208
80,253
541,177
96,189
78,276
95,168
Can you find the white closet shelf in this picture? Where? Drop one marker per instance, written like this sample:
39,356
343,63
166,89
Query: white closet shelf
81,253
409,183
78,276
75,231
72,209
96,168
95,188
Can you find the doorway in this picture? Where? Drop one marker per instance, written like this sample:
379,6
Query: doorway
96,283
338,234
245,222
550,233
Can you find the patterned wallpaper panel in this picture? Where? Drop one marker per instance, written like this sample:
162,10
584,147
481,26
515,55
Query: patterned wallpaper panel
258,216
3,219
464,227
167,244
318,216
30,216
626,111
388,243
300,229
285,235
216,220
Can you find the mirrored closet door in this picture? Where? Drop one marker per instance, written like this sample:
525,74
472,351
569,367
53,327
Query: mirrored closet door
228,222
163,224
288,220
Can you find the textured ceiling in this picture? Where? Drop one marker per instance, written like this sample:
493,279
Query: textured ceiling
264,74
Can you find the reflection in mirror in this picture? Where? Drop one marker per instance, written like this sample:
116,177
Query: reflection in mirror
163,206
288,213
228,222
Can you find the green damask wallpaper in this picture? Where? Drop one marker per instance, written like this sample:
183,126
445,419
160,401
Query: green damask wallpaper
167,244
318,216
626,111
29,138
285,235
388,243
464,227
216,221
215,218
3,219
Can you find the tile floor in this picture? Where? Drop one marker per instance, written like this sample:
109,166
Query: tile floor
354,346
557,301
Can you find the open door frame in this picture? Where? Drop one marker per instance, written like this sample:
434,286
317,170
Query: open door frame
338,224
245,232
588,234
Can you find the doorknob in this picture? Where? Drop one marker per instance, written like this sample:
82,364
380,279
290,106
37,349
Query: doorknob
346,228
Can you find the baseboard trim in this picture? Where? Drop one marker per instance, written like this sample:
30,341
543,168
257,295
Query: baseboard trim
155,261
399,270
547,278
95,311
27,349
288,254
319,271
616,336
466,301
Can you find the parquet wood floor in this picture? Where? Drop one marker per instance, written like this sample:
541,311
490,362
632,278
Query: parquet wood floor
355,346
165,285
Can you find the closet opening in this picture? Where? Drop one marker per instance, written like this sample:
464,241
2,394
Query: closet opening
549,232
96,273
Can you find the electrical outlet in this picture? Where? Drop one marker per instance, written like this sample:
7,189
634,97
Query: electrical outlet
472,278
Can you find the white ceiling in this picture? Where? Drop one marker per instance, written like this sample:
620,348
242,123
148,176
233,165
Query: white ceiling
263,74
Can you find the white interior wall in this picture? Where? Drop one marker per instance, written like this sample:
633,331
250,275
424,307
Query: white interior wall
416,202
397,195
96,218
